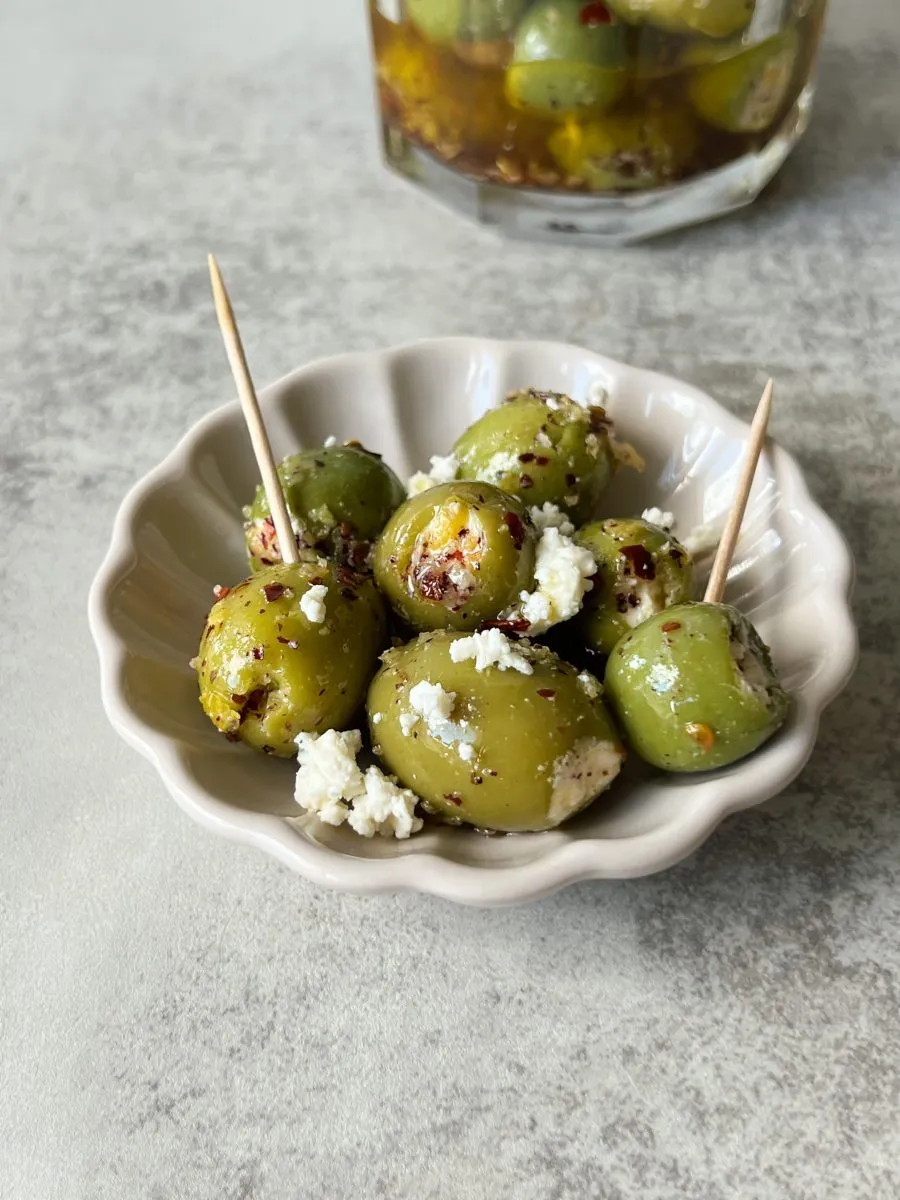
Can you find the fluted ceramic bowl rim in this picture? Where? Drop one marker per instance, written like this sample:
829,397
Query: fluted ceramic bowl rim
580,858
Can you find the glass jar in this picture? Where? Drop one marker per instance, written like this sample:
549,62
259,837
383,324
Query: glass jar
594,120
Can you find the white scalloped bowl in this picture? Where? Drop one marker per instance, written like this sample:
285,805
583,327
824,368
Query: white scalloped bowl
179,532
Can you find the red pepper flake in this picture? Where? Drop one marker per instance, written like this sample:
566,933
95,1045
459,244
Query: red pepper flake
526,458
547,693
676,556
433,585
273,591
541,460
220,592
671,626
453,797
525,481
702,735
289,642
238,698
514,524
257,652
316,581
641,561
345,529
514,625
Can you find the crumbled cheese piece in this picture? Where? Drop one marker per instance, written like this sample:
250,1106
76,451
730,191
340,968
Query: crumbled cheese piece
327,774
589,685
658,516
434,705
377,718
312,603
461,577
384,808
194,663
586,771
441,470
551,517
492,648
563,573
649,602
432,702
330,441
331,785
542,438
499,465
408,722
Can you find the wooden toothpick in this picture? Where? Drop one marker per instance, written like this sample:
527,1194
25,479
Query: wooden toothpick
252,415
715,589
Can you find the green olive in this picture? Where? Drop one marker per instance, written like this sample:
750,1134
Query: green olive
627,153
541,447
565,62
456,556
339,498
289,650
517,751
642,570
744,93
465,20
713,18
694,688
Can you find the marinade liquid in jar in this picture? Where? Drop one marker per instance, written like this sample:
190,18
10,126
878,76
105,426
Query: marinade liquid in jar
603,120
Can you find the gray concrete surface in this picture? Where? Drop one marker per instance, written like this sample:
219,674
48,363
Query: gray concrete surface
180,1017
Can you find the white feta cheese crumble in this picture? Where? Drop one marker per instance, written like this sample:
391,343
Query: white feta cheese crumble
312,603
551,517
408,722
377,718
434,705
563,573
589,685
330,441
440,470
586,771
499,465
327,774
432,702
384,808
658,516
492,648
330,784
649,601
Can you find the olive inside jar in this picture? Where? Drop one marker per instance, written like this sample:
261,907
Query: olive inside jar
558,112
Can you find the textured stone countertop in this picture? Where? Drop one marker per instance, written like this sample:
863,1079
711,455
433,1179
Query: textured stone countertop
180,1017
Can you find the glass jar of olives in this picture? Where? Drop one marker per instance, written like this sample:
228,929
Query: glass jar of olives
594,120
